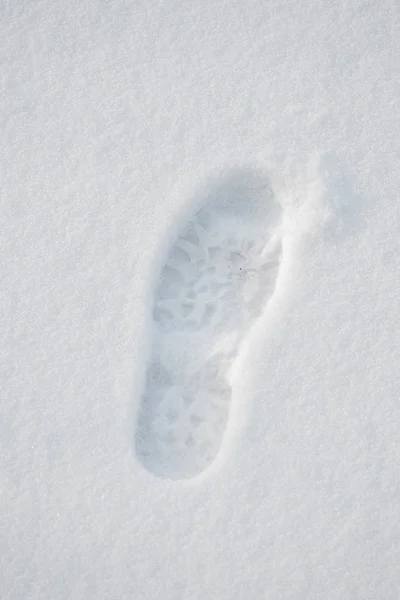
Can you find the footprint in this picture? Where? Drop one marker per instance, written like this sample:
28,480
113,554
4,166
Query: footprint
218,277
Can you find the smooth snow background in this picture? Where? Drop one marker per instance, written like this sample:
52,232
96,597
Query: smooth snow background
113,116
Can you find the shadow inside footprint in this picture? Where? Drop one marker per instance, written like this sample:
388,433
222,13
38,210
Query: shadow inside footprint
218,276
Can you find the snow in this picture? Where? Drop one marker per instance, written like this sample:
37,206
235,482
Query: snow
119,121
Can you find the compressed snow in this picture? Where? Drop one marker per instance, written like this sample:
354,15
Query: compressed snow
120,121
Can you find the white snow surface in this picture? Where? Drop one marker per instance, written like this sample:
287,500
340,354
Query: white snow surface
120,123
